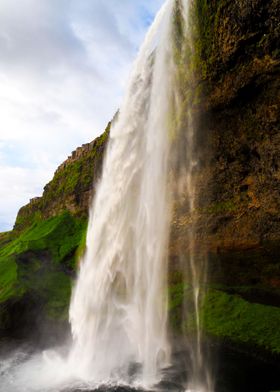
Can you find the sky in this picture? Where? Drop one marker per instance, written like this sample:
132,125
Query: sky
64,65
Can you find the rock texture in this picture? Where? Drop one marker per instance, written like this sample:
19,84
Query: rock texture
242,117
236,101
237,56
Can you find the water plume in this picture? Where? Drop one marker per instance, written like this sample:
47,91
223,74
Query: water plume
119,306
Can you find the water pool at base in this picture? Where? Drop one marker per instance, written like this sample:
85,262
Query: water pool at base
235,372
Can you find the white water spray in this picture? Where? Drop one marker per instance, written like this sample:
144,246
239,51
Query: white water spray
119,306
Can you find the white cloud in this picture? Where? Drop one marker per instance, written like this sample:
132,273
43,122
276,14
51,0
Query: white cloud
63,68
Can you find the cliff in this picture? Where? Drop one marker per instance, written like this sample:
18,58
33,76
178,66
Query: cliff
71,188
236,95
241,84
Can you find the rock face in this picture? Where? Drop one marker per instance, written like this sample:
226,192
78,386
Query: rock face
243,111
241,121
237,101
238,73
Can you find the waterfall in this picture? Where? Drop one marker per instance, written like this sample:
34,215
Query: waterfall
118,311
119,307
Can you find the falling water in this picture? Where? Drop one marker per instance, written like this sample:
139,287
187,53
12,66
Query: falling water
118,311
186,153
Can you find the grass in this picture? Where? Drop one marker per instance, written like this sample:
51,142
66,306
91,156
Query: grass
38,260
60,236
230,317
8,279
78,175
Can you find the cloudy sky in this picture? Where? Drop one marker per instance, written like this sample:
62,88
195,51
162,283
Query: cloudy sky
63,68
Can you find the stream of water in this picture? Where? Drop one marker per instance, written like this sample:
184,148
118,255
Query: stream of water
118,311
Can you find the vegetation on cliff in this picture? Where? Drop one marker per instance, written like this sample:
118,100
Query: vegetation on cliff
71,188
38,258
36,266
230,318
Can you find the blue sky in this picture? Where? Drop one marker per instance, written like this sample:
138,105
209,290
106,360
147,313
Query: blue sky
63,69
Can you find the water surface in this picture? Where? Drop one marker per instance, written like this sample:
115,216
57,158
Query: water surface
22,367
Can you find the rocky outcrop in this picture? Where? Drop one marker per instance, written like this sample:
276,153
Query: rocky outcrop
71,188
240,119
236,101
237,84
241,122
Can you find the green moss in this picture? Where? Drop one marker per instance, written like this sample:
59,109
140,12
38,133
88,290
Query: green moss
224,206
60,236
77,176
176,294
68,184
102,139
23,266
231,317
202,24
58,301
29,214
228,316
8,279
176,298
56,291
5,238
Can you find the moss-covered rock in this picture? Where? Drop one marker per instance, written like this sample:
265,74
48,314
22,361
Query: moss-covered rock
229,317
36,267
71,188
